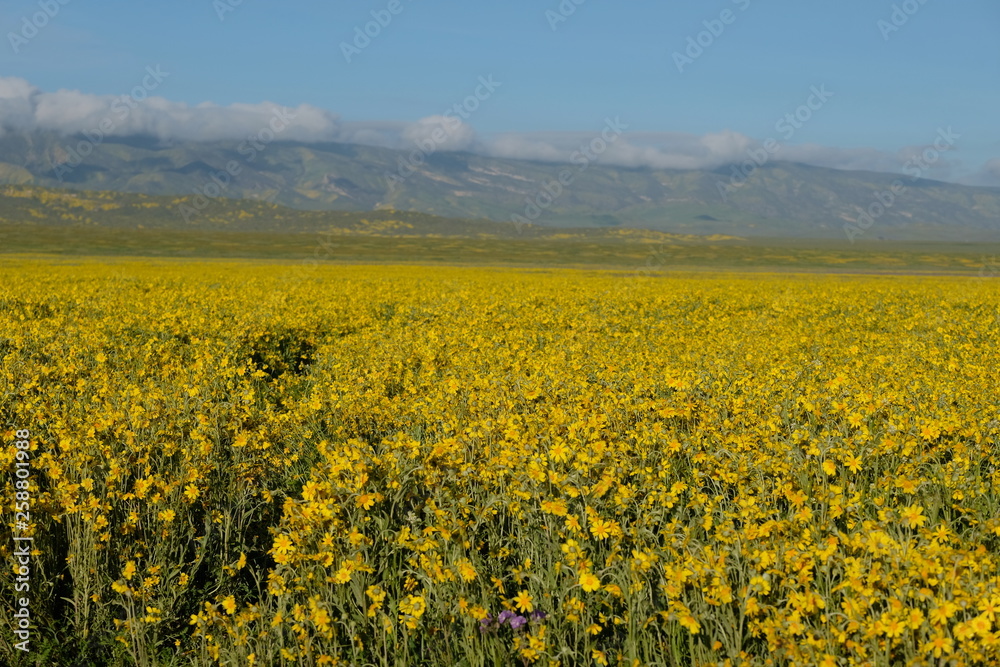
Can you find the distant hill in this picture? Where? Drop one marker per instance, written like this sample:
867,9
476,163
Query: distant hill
780,199
30,205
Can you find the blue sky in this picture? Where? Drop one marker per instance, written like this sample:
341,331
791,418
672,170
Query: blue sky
892,91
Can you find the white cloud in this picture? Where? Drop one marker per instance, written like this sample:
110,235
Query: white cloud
659,150
988,174
373,133
542,148
16,110
23,107
445,133
26,108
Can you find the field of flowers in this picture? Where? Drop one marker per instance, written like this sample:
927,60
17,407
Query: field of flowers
262,464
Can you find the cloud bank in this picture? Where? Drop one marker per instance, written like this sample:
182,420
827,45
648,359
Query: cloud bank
25,108
988,174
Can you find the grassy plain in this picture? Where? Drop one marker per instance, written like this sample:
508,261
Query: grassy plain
647,252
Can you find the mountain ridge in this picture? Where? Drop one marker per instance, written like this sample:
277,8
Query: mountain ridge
778,199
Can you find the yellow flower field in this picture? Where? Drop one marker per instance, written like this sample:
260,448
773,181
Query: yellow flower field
266,464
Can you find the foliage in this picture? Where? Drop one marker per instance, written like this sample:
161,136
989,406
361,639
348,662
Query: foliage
259,464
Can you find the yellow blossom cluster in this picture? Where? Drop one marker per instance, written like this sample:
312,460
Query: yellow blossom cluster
250,463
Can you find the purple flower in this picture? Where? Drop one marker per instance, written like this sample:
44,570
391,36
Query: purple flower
517,622
486,623
538,615
504,615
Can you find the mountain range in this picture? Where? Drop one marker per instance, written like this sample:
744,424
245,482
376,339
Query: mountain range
777,199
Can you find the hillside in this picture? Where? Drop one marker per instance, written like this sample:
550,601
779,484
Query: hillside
33,206
780,199
72,223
